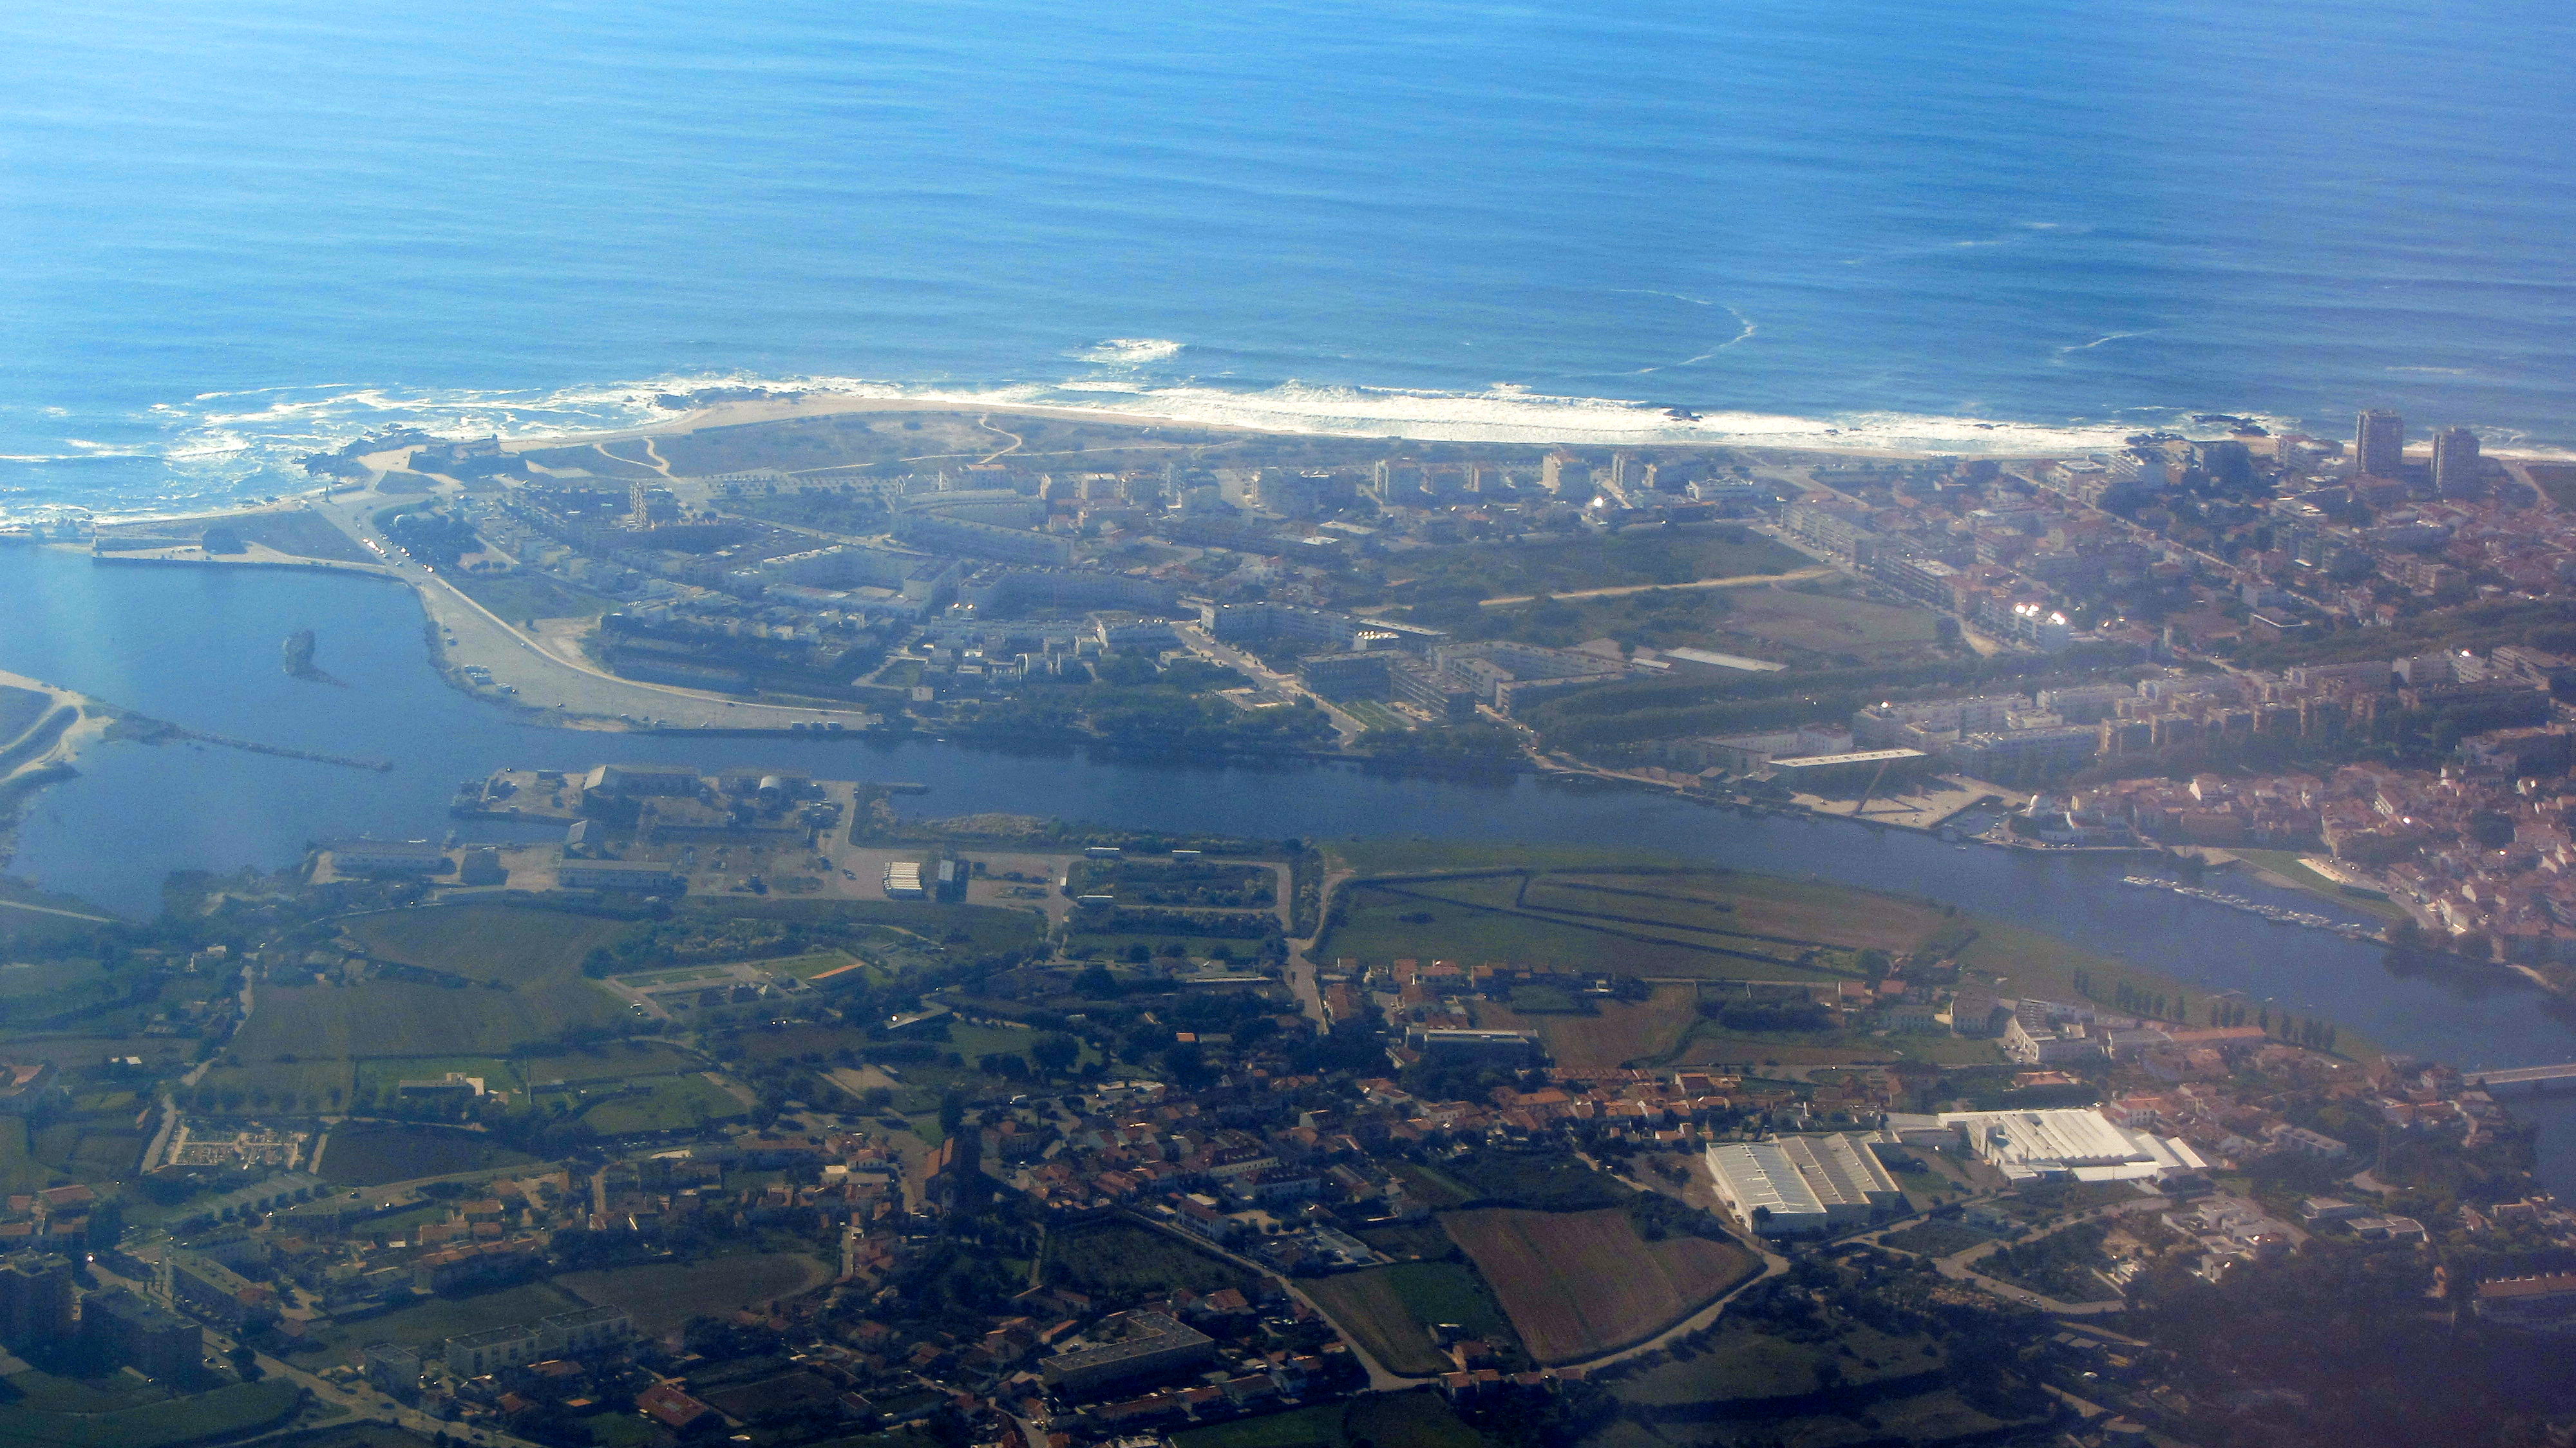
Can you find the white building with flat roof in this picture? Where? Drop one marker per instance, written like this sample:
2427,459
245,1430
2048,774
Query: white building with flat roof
2078,1142
1765,1189
1845,1176
1803,1184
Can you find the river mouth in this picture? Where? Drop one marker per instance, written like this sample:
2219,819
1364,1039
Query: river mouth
199,648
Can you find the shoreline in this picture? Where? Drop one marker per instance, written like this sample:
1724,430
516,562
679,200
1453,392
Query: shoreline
22,779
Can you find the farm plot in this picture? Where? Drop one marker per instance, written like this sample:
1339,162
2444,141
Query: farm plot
404,1018
1390,1311
367,1156
1483,919
1577,1284
1611,1035
486,942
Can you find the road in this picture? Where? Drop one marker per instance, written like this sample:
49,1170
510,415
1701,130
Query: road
548,672
1956,1268
1201,641
1743,580
1302,967
362,1403
50,910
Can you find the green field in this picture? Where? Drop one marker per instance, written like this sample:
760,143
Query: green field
19,1169
433,1320
606,1061
1388,1420
1390,1310
487,942
664,1103
662,1295
2287,865
1626,913
372,1155
528,986
1476,920
1747,1363
1374,715
47,1416
1471,572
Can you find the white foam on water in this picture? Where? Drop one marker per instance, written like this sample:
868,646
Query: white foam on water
230,445
1131,351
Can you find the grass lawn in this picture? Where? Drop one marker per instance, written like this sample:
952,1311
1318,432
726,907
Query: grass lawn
382,1076
225,1412
435,1319
608,1061
19,1169
1316,1427
665,1103
2287,865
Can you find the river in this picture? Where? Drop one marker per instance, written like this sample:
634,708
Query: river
199,647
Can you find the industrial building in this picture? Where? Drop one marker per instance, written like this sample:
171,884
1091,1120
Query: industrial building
1501,1048
2078,1142
1801,1185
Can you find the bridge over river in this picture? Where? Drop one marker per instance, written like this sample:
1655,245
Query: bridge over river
2523,1080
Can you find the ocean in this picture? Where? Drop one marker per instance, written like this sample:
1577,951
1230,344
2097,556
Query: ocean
241,232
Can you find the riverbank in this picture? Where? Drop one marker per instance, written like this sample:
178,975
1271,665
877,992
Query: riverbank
60,723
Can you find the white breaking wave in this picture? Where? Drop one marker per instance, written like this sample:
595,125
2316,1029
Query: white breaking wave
1131,351
226,446
2074,347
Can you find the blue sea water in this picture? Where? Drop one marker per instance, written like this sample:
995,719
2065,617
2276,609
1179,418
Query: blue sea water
239,230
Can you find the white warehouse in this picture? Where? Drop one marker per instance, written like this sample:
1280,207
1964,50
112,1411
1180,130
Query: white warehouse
1803,1184
2069,1141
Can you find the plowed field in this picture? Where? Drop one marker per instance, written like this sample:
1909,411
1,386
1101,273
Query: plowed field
1577,1284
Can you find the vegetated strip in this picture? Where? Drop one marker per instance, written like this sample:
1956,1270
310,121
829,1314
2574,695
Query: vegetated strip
1638,936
